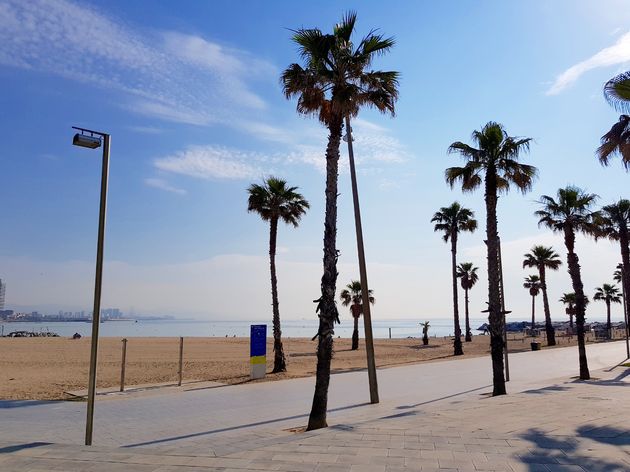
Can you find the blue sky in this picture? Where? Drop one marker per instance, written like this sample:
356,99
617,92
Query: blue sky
190,93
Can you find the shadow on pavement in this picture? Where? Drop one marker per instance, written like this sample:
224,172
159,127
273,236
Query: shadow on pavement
5,404
562,452
19,447
234,428
544,390
605,434
405,407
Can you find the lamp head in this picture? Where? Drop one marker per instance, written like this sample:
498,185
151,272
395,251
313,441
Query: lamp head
83,140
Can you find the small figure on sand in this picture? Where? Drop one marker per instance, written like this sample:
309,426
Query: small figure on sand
76,336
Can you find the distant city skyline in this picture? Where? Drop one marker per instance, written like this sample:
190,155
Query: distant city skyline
190,93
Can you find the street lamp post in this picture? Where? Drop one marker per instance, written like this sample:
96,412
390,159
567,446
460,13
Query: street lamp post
92,140
367,316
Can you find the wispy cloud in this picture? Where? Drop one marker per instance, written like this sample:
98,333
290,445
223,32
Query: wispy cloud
167,75
212,162
618,53
374,148
164,185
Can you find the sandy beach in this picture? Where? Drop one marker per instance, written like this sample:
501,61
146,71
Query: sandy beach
45,368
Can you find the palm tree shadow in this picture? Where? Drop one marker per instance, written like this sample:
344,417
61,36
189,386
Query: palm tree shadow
605,434
552,450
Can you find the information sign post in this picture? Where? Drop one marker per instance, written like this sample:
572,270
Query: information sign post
258,351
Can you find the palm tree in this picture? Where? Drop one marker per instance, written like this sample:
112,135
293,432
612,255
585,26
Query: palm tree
451,221
335,82
570,214
425,333
610,294
275,201
534,284
614,224
467,272
617,140
495,163
544,258
569,299
351,296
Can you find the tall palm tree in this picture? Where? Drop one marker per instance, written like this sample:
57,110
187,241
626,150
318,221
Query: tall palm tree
352,296
569,214
495,164
615,225
617,140
273,200
334,82
608,293
451,221
543,258
534,284
467,273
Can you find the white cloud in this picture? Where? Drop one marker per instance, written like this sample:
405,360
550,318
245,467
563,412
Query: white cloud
145,129
164,185
172,76
212,162
374,148
618,53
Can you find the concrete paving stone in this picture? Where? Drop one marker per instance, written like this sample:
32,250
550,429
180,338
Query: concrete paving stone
333,468
564,468
406,453
415,462
455,464
521,467
367,468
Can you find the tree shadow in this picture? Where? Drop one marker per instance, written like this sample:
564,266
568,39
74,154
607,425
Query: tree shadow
618,381
545,390
554,451
605,434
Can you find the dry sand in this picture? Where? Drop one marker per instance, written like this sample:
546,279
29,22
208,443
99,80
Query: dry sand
45,368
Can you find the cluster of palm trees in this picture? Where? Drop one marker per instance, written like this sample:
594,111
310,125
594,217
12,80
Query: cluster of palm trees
333,82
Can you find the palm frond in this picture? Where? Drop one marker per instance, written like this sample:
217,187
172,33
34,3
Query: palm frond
617,92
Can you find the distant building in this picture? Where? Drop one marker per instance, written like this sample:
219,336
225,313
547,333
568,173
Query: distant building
3,289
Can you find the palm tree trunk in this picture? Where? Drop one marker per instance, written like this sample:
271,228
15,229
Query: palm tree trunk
571,318
355,334
495,317
580,309
457,343
533,314
326,308
608,324
468,332
551,333
279,361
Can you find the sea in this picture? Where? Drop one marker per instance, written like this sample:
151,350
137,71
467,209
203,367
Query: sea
305,328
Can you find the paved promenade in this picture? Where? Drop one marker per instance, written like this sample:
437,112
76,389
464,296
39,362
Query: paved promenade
547,424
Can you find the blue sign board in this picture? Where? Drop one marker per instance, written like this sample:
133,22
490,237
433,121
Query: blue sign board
258,341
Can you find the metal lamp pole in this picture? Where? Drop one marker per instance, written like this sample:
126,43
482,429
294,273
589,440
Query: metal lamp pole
367,316
88,141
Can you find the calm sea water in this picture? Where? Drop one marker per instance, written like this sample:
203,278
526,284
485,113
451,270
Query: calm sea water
196,328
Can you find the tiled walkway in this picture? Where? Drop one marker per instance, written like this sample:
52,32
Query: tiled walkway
564,426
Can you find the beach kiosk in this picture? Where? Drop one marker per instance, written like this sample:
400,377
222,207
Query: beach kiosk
258,351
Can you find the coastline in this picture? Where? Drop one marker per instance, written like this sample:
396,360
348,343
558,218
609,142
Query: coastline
45,368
